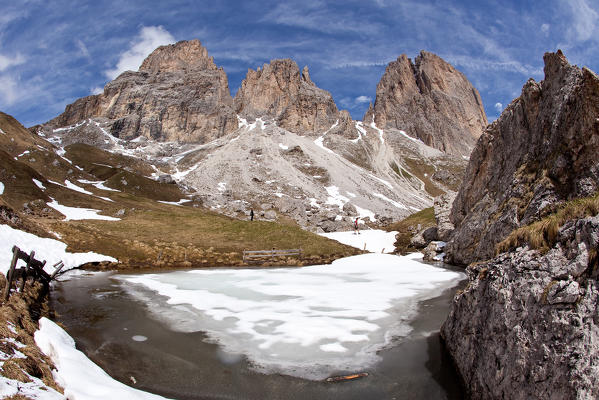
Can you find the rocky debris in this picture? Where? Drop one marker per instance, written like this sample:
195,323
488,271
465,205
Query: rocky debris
424,237
540,152
177,94
434,251
166,178
526,324
279,91
442,207
429,100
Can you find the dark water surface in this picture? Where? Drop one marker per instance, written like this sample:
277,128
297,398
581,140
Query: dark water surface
103,319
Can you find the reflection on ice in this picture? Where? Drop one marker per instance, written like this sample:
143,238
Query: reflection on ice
308,322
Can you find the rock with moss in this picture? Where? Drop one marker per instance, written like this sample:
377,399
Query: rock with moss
526,324
541,152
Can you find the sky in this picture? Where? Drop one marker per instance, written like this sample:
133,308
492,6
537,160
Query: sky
53,52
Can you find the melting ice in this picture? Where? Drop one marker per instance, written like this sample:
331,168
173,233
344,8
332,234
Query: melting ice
308,322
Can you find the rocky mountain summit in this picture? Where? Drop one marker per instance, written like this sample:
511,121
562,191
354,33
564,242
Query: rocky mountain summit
279,91
541,152
526,325
178,94
430,100
281,145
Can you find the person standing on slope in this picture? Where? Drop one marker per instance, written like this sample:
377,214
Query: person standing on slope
356,229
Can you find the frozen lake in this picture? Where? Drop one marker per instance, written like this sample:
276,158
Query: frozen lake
305,322
269,333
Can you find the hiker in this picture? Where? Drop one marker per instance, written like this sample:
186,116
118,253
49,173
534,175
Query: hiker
356,229
251,214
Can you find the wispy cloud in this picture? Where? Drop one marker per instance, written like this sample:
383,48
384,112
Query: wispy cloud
83,49
7,62
149,38
314,15
585,24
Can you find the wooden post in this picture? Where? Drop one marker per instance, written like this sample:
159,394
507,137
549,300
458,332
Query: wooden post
11,271
27,271
60,264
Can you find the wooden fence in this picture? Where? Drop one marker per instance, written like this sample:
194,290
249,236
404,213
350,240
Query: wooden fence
262,255
33,269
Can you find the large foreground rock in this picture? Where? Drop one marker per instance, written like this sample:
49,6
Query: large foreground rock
527,325
540,152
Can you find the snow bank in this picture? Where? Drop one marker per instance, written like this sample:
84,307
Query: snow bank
77,374
375,241
1,188
50,250
76,213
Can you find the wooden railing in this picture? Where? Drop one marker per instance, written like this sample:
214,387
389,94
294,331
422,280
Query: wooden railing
260,255
34,269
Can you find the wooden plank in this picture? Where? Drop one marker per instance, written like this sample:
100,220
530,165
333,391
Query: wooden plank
11,271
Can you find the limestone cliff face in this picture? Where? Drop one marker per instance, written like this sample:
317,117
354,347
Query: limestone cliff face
177,94
540,152
278,90
526,325
429,100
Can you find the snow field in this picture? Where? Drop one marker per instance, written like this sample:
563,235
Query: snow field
50,250
77,374
372,240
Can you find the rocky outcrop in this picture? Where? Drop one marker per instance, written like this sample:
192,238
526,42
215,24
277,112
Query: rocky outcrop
429,100
442,208
178,94
540,152
278,90
526,326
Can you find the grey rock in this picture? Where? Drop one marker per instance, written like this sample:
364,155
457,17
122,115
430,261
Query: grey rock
442,208
541,152
349,209
521,329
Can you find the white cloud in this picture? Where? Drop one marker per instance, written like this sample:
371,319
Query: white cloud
10,61
97,90
363,99
149,38
545,29
8,90
83,48
585,20
498,107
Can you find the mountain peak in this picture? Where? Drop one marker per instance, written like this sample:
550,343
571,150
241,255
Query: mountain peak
183,55
278,90
430,100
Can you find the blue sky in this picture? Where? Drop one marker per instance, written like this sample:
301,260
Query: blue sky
55,51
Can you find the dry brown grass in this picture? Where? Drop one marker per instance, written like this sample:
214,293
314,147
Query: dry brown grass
542,235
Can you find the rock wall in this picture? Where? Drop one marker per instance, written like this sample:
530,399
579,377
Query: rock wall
526,326
429,100
540,152
279,91
178,94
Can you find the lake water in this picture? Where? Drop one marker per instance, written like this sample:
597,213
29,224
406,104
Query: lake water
269,334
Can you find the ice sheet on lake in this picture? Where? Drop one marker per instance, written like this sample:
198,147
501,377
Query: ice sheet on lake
307,322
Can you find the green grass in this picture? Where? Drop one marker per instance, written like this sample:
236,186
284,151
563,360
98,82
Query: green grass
542,235
407,227
169,236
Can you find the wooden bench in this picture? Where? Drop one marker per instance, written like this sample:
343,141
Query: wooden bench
260,255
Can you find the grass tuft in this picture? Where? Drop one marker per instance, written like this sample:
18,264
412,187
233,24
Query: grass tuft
542,235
